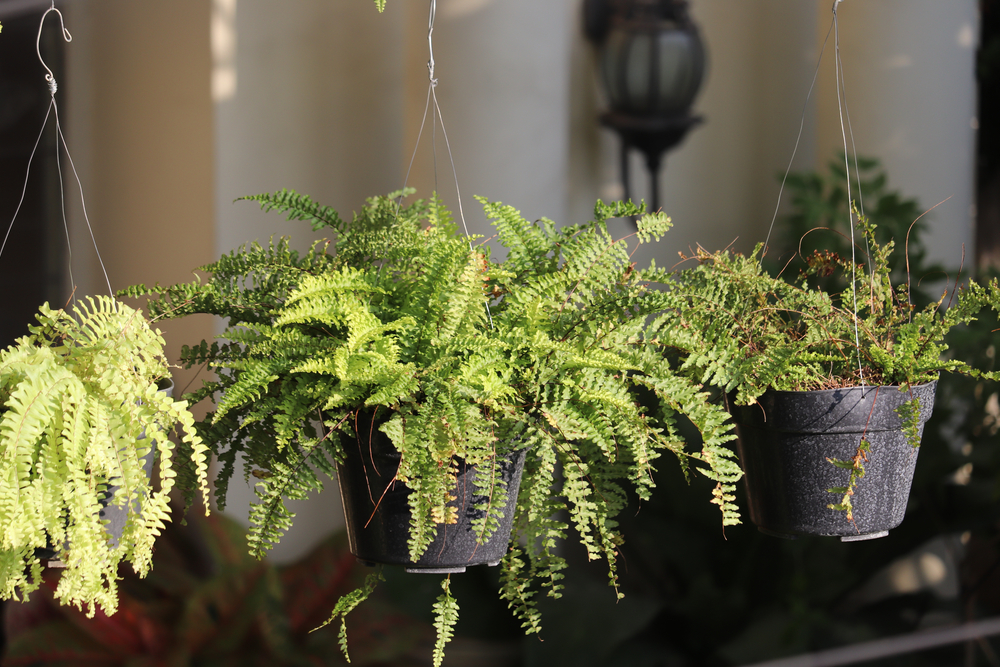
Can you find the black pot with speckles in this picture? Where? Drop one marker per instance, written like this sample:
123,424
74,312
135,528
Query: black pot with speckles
786,439
377,511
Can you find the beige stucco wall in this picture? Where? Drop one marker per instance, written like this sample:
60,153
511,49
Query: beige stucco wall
139,127
909,71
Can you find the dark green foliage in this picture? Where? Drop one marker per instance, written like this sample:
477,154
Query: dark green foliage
744,331
555,351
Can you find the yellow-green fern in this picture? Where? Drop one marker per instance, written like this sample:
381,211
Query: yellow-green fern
81,414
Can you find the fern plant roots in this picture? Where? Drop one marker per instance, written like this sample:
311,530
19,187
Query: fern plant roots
804,455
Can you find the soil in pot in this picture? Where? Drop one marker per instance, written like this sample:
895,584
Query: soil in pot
787,439
378,514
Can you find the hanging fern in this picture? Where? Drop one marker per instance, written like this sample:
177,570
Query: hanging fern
400,321
836,324
745,331
81,414
348,603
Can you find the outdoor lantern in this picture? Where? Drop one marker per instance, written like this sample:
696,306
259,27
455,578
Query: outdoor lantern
652,62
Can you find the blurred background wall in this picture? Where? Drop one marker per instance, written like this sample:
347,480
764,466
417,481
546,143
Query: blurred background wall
174,109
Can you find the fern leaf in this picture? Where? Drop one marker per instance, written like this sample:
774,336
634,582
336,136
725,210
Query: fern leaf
445,618
299,207
347,603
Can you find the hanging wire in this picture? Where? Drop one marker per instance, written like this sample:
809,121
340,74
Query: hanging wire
798,139
432,97
842,89
53,110
841,104
437,117
843,112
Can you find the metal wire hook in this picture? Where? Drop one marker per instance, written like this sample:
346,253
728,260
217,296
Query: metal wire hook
430,41
50,77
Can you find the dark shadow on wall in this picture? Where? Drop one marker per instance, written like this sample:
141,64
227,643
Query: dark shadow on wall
31,266
31,263
988,148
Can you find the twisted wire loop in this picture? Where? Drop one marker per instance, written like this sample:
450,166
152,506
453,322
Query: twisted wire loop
50,78
430,43
437,117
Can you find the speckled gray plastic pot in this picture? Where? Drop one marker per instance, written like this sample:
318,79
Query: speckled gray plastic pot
378,514
786,439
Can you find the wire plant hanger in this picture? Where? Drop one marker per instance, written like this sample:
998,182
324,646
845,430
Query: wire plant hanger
431,105
61,145
845,130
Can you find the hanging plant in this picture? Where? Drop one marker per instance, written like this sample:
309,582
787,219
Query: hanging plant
404,330
81,414
756,337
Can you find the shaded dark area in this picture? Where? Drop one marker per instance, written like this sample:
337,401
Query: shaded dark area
988,148
31,264
208,602
32,259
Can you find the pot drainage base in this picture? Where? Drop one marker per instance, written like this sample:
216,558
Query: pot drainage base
435,570
843,538
862,538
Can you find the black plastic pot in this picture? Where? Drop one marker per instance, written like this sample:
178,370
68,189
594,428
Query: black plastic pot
378,516
786,439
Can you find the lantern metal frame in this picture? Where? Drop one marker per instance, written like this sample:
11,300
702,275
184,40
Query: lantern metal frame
651,133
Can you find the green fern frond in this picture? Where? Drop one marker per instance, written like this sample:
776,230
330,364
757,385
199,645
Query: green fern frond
300,207
618,209
445,618
347,603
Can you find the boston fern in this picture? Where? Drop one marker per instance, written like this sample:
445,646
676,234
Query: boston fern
746,331
81,411
402,322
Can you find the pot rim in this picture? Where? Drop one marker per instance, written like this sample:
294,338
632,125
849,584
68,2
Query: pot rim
841,410
771,390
